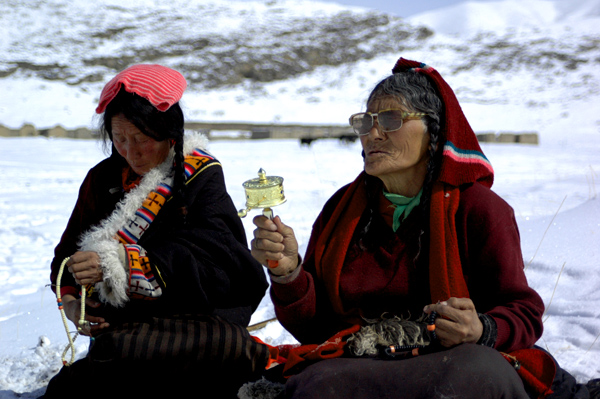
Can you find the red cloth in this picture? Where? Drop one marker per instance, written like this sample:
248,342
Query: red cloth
536,368
464,162
160,85
334,240
300,356
445,270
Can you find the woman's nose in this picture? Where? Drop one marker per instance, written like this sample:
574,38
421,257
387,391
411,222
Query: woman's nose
132,150
376,133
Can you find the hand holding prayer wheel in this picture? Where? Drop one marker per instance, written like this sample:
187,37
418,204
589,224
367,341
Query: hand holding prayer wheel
274,241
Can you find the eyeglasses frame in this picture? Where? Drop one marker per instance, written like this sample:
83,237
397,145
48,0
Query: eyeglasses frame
405,116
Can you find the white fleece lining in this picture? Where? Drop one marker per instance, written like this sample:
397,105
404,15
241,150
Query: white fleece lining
102,238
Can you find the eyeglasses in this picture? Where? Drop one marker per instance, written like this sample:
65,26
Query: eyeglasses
389,120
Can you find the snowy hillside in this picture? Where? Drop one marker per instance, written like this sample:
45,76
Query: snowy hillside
76,46
308,56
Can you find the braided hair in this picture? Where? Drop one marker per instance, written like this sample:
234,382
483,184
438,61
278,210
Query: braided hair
417,94
159,125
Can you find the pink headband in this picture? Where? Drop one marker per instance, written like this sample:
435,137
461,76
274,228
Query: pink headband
160,85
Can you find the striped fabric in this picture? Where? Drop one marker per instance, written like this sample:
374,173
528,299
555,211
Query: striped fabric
472,164
142,281
160,85
144,216
195,161
192,340
468,156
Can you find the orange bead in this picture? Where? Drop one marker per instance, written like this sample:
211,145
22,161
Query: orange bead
431,327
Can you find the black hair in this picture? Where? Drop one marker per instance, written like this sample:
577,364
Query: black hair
417,94
159,125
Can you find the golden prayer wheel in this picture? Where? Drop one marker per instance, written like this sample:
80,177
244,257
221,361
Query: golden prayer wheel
263,192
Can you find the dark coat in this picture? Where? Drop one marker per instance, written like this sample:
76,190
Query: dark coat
204,265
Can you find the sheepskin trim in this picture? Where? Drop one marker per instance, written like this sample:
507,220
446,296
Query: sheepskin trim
386,332
194,140
102,238
111,289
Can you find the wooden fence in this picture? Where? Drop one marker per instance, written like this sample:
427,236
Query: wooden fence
241,131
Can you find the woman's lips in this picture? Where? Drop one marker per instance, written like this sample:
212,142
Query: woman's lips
376,151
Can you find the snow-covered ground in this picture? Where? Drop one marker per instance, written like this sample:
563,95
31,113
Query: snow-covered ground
553,188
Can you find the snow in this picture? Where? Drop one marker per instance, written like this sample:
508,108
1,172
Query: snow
553,187
39,195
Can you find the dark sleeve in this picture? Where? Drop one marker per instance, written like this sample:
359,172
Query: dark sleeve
302,306
493,264
205,264
95,201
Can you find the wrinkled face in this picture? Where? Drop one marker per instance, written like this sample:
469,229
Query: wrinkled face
397,155
141,152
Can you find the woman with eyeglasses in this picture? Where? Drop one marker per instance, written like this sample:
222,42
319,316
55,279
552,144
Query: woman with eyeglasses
413,284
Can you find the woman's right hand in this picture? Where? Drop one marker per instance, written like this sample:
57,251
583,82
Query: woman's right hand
72,307
273,240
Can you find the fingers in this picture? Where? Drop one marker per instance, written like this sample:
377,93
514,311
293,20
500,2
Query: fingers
451,307
457,321
85,267
273,240
263,222
266,235
93,324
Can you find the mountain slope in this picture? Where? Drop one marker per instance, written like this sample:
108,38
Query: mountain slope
213,43
297,61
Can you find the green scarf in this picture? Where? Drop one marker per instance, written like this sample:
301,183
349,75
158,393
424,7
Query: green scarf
404,205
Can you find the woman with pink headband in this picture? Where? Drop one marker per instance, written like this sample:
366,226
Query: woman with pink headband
155,244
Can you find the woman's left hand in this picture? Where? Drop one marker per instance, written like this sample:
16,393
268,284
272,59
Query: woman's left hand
457,321
85,267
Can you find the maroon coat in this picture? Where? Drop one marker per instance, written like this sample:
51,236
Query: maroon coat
387,278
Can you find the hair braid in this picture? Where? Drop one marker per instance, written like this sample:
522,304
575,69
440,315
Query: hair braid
179,179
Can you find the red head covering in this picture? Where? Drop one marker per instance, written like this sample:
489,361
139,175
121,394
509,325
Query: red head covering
463,161
160,85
